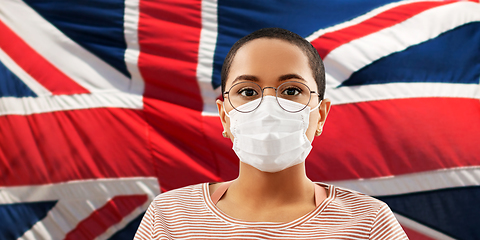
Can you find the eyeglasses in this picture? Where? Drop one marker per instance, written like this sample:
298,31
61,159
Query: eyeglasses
245,92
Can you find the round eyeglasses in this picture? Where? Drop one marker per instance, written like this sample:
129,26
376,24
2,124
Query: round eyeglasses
246,92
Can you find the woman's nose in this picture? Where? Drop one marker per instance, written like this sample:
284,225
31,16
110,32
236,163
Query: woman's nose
269,91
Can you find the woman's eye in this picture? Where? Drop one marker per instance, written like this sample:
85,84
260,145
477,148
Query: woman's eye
248,92
291,91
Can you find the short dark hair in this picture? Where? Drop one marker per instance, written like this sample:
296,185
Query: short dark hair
314,60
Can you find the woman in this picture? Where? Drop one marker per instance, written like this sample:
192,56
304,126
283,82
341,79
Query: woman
273,82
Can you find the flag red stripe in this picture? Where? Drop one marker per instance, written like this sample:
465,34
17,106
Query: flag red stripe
36,66
180,146
103,218
329,41
74,145
383,139
393,137
169,33
412,234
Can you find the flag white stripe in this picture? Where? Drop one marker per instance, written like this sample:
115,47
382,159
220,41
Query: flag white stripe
124,222
206,52
343,61
132,52
208,40
80,65
62,219
81,189
376,92
40,232
362,18
414,182
76,201
36,87
31,105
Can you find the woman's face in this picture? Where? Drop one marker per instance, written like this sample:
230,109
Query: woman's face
268,61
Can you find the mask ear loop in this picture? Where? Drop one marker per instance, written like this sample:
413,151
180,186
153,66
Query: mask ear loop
225,110
311,110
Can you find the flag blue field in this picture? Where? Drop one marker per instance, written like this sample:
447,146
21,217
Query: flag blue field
106,103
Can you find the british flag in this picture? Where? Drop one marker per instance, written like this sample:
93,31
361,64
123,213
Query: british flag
106,103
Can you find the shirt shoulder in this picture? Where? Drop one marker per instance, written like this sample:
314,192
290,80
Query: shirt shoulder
351,197
355,204
370,212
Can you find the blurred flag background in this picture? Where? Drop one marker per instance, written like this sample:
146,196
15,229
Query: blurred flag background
106,103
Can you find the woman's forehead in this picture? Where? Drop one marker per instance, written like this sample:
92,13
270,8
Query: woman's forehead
268,60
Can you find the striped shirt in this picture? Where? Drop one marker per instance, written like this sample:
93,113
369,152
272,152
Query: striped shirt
189,213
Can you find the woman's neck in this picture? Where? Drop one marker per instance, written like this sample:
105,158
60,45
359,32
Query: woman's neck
285,187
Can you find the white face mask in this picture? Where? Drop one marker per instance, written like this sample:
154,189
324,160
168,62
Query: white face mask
270,138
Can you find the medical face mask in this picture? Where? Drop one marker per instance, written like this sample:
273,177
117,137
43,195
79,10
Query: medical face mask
270,138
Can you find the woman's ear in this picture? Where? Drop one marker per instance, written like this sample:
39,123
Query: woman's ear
221,113
324,109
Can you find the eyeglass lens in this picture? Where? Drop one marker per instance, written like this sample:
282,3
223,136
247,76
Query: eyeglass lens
246,92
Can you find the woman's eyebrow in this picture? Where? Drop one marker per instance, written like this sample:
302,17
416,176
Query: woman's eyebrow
290,76
245,77
281,78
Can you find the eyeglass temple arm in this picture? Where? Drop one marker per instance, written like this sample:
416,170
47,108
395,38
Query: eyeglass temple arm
317,94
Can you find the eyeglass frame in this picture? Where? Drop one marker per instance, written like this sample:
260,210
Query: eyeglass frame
276,97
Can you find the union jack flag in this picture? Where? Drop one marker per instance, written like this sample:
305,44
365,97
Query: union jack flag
105,104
